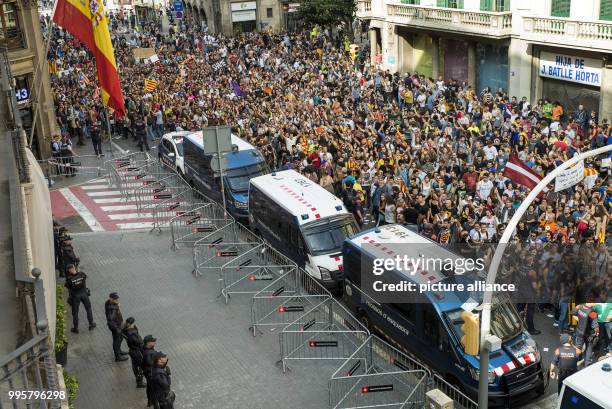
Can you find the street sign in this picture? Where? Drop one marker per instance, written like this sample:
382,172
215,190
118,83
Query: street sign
179,15
221,135
214,163
178,6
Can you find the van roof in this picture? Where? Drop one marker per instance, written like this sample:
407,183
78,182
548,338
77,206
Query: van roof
299,196
593,382
177,135
198,139
417,246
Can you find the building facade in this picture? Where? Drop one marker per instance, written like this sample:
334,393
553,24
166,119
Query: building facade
559,49
230,17
21,34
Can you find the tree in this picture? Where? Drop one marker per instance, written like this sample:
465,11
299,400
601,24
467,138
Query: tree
328,13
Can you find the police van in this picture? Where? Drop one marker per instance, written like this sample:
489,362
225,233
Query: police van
302,220
590,388
170,151
243,163
429,325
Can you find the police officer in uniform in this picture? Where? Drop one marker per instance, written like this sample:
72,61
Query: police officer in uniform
68,254
148,359
587,330
135,344
565,362
114,320
78,293
163,396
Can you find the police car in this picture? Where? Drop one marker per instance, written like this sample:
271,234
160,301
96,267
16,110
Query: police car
170,151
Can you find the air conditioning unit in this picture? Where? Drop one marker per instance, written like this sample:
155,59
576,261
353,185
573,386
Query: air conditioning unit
435,399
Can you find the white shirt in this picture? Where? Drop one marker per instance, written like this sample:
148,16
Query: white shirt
484,188
490,152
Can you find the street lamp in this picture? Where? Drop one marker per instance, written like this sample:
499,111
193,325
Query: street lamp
483,384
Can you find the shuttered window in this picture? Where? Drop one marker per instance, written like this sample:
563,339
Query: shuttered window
415,2
605,10
453,4
486,5
561,8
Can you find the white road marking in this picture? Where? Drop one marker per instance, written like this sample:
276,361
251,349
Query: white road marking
89,218
127,216
118,207
94,187
141,225
104,193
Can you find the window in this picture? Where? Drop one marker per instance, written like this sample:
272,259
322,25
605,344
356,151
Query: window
269,12
452,4
416,2
10,32
605,10
495,5
560,8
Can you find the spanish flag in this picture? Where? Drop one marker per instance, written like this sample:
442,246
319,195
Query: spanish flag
85,20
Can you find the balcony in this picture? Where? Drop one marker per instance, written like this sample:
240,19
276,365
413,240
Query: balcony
481,23
594,35
364,9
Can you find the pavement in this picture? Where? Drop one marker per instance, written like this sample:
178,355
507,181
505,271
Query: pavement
215,361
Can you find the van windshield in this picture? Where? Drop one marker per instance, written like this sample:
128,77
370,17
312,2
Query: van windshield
179,148
327,237
505,321
238,178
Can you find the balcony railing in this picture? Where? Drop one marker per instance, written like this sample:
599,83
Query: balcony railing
445,19
12,38
595,35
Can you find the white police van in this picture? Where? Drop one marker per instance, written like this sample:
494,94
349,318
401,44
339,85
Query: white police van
304,221
590,388
170,151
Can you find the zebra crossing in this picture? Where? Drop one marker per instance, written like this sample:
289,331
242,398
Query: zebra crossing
101,206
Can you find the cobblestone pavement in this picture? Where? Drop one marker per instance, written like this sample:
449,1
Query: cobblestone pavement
215,361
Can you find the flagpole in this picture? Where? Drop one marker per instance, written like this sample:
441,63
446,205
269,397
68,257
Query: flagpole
108,129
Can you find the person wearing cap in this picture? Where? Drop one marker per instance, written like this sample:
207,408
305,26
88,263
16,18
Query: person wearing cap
68,255
565,362
163,396
76,283
135,344
114,320
148,359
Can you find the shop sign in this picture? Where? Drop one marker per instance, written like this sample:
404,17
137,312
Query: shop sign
571,68
22,95
246,5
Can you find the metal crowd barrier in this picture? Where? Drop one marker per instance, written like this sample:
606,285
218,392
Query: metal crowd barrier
72,165
127,174
377,375
252,271
188,230
152,189
211,251
169,203
327,332
285,299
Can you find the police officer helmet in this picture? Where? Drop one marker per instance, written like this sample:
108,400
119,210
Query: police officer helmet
130,320
149,338
70,266
564,338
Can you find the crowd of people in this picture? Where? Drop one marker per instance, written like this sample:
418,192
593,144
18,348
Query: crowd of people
403,148
147,363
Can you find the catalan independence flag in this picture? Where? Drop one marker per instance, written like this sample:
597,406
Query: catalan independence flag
85,20
150,85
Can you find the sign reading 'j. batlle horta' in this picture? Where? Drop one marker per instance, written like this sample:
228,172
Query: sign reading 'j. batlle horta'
570,68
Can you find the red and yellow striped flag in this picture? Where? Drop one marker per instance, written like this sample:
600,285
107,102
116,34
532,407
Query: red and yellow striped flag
150,85
85,20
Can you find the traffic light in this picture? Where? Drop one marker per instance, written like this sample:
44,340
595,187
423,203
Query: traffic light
471,333
354,50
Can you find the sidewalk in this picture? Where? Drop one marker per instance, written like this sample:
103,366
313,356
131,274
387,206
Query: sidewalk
215,361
